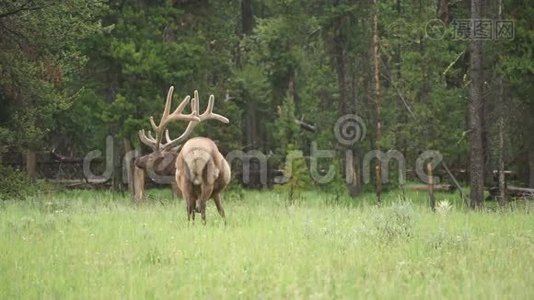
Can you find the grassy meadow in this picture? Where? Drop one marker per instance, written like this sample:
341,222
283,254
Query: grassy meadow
96,245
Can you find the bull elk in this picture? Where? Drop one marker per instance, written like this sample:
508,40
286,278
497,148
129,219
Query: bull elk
199,169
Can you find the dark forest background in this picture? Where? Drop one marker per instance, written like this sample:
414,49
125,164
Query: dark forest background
283,71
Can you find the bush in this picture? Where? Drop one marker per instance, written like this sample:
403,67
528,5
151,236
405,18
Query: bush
297,175
234,191
394,222
14,184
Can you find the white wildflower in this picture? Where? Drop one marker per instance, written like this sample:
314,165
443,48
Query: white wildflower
443,207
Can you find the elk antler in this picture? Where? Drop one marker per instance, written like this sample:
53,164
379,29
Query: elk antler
194,119
207,115
155,143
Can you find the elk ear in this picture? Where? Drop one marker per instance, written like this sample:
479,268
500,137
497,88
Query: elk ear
212,172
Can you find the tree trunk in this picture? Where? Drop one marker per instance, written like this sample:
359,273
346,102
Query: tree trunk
431,198
502,186
116,177
376,62
352,173
531,166
500,99
476,155
31,164
397,58
487,119
247,17
139,184
401,140
502,182
128,167
252,125
340,61
344,107
247,25
443,11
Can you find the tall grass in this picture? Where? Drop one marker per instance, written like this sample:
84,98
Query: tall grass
98,245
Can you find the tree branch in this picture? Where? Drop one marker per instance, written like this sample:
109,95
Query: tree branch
14,36
306,126
23,7
394,85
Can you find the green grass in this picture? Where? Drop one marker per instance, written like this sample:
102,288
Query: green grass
99,246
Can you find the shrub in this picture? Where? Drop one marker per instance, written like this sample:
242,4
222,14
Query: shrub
394,222
297,175
14,184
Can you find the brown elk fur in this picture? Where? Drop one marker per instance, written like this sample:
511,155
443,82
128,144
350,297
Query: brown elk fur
201,173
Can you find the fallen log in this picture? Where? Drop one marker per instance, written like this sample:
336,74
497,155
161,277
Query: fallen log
448,188
513,192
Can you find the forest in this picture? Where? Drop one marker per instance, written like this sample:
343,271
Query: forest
353,149
284,72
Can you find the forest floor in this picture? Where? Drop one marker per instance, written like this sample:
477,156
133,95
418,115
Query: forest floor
98,245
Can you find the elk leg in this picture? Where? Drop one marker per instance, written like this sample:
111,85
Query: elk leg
190,211
220,209
197,206
204,197
202,207
193,215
